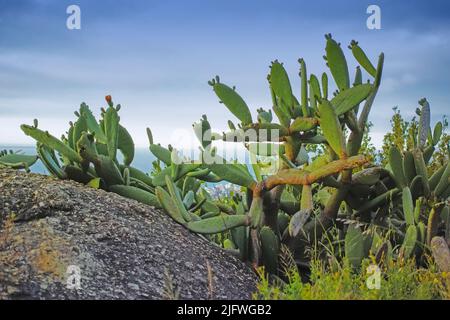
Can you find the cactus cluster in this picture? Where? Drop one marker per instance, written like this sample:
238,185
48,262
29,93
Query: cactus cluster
87,153
281,205
390,211
411,203
297,205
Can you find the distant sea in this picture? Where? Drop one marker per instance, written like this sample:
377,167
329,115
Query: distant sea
142,159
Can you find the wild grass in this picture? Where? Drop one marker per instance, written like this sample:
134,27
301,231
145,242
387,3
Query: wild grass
399,280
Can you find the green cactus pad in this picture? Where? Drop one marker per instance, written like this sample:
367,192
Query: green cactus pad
136,194
92,123
282,116
418,209
111,125
421,170
409,168
160,178
433,223
416,187
331,127
280,84
304,87
354,246
318,162
315,86
265,116
437,133
409,242
443,181
105,167
211,207
50,161
378,201
234,102
422,231
282,221
358,77
79,127
362,59
231,172
161,153
108,170
256,212
189,199
428,153
408,206
53,143
302,124
176,196
126,145
126,176
337,63
306,201
396,163
270,249
169,205
324,80
351,98
240,238
201,130
209,215
217,224
138,174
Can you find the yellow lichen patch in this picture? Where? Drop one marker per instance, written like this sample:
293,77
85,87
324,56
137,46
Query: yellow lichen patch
48,260
6,230
50,257
7,258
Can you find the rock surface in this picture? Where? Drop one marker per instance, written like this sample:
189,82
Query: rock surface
441,253
123,249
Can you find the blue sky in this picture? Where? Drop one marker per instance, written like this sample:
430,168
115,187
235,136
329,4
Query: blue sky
155,57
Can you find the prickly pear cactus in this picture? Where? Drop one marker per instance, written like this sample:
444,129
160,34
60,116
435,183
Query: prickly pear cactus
289,197
88,154
279,206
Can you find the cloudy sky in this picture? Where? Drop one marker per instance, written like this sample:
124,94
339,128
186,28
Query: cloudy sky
155,57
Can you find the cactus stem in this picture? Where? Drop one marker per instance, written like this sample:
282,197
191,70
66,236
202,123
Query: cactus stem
303,177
